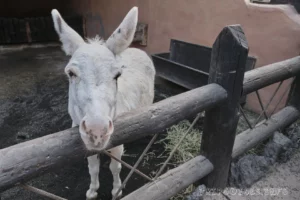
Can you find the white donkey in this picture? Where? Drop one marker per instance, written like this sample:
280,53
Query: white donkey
106,78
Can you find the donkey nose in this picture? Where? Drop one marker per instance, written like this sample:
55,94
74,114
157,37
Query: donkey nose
98,129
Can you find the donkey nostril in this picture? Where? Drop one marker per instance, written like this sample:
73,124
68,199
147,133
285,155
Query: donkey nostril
110,126
110,129
83,126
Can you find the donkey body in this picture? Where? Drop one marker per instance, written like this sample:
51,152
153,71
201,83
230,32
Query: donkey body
106,78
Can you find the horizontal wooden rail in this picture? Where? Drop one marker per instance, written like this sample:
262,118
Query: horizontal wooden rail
269,74
132,126
24,161
250,138
173,181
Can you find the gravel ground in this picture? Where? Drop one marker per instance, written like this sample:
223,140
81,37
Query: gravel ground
281,183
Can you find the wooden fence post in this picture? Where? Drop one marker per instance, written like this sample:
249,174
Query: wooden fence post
227,68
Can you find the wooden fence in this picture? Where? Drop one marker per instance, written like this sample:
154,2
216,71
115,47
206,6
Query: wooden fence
228,82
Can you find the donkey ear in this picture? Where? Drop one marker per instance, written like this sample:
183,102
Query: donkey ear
69,38
123,35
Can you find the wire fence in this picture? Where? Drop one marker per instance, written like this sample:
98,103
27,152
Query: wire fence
264,108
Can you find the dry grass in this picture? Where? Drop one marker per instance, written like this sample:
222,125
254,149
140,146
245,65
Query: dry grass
189,148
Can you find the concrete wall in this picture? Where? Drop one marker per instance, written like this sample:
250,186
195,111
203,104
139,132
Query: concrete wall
272,36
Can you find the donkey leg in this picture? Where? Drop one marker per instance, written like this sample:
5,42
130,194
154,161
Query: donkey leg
115,168
94,168
73,124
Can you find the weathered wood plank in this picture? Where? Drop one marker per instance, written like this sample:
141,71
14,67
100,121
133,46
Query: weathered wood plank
173,181
250,138
228,62
22,162
269,74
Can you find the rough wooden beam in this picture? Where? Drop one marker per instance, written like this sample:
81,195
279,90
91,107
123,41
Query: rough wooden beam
269,74
227,68
163,114
173,181
250,138
22,162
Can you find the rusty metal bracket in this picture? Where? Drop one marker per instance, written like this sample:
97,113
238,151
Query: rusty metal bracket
141,34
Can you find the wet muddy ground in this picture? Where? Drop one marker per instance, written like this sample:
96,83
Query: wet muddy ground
33,103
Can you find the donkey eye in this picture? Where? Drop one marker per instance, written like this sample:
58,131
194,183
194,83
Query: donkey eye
117,75
71,73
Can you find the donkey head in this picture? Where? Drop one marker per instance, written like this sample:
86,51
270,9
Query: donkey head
93,73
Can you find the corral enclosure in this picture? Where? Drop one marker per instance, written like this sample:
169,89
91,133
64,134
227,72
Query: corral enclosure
34,97
46,153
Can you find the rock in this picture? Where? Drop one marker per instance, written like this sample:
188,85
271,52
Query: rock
293,133
250,168
247,170
198,193
278,148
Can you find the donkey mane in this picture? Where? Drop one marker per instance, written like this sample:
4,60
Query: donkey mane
95,40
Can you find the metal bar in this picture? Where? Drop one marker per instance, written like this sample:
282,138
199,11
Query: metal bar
261,104
41,192
128,166
285,92
135,166
245,117
267,106
177,145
